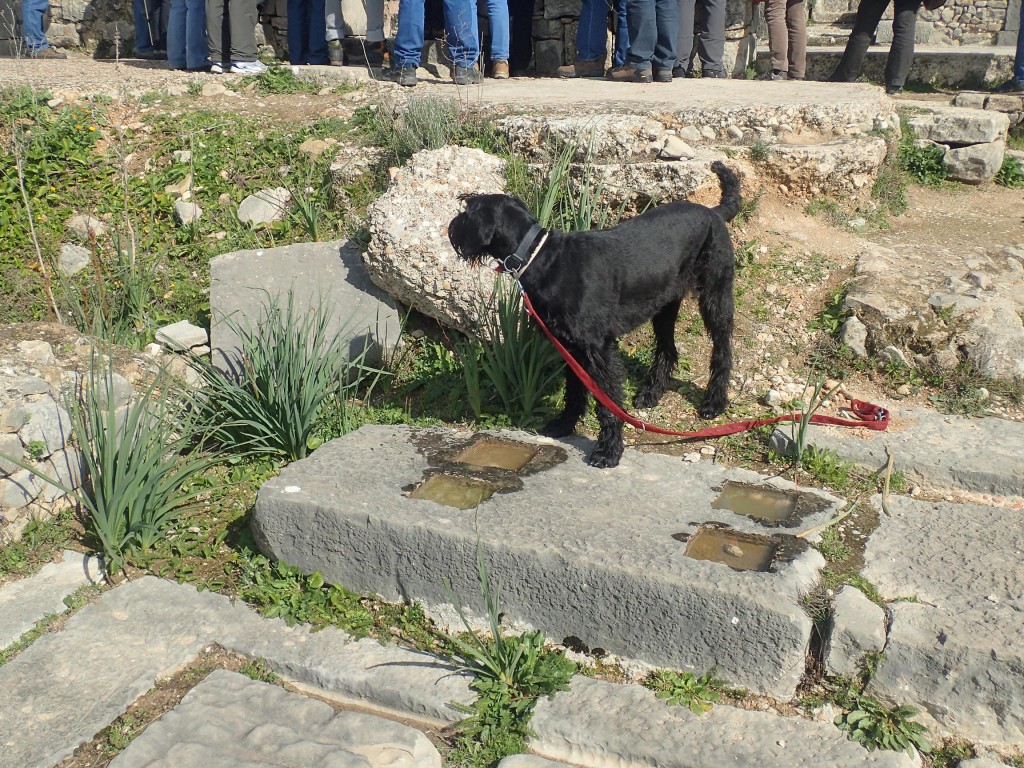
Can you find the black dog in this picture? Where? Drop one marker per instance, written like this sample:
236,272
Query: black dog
589,288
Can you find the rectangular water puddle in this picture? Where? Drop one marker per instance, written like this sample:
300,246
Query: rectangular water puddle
502,454
458,492
760,502
742,551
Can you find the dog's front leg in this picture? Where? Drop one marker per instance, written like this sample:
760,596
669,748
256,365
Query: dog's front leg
609,374
576,400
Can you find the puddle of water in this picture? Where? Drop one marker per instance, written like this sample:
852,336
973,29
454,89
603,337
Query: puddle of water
761,502
742,551
458,492
498,453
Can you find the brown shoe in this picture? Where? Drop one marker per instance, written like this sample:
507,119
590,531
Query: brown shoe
48,53
583,68
499,70
627,73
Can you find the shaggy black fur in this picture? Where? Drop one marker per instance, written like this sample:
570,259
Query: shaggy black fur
592,287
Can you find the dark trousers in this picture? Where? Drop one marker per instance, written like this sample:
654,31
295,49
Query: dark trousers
307,32
901,52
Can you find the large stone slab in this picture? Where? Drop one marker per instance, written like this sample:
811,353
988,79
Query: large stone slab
955,647
578,551
70,684
230,720
981,455
958,126
317,273
599,723
24,602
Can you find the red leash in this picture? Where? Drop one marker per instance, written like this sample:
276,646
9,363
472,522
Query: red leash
868,415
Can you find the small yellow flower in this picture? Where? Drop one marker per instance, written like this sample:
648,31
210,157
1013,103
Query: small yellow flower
92,127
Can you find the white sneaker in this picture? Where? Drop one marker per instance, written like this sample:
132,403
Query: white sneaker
248,67
216,68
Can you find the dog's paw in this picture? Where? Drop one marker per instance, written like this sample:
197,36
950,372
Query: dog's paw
605,457
709,409
646,399
557,429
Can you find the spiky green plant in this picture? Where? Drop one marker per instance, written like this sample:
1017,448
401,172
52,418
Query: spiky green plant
292,364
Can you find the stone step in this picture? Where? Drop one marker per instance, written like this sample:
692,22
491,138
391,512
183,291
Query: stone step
580,552
24,602
940,66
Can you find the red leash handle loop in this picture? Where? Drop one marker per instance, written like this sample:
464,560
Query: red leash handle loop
868,415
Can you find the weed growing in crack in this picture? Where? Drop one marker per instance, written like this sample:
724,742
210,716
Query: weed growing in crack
832,546
510,674
875,726
684,689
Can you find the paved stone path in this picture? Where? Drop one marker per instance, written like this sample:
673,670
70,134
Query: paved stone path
70,684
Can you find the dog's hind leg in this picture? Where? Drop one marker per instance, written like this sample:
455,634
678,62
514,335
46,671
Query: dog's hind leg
716,309
608,372
666,356
576,401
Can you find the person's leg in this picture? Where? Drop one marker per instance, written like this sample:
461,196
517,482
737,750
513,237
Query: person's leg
32,14
520,34
592,31
1018,59
242,23
145,25
666,14
298,29
197,55
177,35
316,40
621,33
216,30
643,33
796,23
711,38
332,20
778,34
374,21
901,52
163,14
497,20
684,43
869,13
409,37
460,26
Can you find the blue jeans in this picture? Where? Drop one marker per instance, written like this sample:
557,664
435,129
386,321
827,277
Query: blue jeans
459,25
150,25
1018,60
497,21
592,33
307,32
653,29
186,35
32,13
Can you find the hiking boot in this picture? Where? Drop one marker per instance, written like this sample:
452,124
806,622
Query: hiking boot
335,53
467,75
627,73
714,73
376,54
777,74
48,53
892,90
583,68
403,75
499,70
662,75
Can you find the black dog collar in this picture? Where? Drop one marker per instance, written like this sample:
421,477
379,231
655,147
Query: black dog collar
516,262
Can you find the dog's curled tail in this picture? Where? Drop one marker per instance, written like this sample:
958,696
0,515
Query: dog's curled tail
732,202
